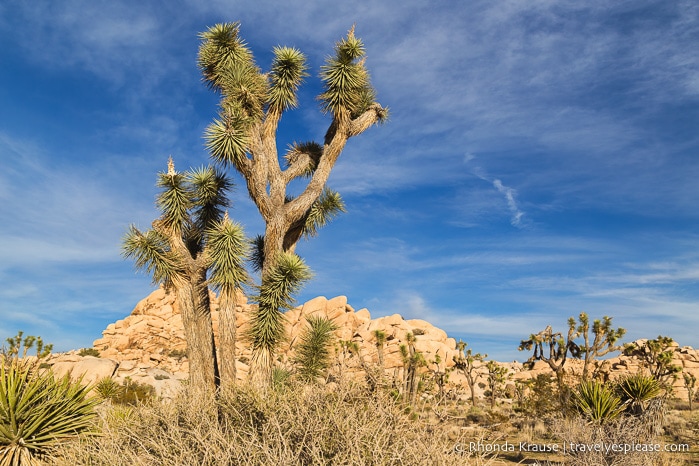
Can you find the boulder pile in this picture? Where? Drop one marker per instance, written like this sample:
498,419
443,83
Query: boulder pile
148,346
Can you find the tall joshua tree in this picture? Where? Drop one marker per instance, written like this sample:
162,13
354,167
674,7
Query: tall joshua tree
244,137
191,245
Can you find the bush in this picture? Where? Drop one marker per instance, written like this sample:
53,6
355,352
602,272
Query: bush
38,412
597,401
292,425
89,352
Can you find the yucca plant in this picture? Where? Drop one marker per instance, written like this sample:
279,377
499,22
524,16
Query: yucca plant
638,390
38,412
596,401
313,352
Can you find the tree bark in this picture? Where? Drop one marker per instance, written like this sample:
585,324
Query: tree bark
227,338
196,320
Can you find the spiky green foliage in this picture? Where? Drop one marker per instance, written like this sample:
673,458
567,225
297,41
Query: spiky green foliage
227,140
152,253
221,49
38,412
20,345
276,296
287,73
328,206
596,401
209,199
174,200
313,352
228,250
108,389
257,256
311,151
637,390
656,355
346,82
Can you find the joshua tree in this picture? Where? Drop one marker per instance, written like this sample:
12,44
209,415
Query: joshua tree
252,104
656,355
602,344
380,336
690,382
559,348
244,137
413,360
191,245
465,362
496,377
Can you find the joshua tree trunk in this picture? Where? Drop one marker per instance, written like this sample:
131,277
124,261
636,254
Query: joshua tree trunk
193,298
226,337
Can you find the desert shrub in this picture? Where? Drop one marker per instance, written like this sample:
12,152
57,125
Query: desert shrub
292,425
108,389
89,352
134,393
38,412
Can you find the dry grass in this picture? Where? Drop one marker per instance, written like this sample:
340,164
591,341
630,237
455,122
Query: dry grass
294,425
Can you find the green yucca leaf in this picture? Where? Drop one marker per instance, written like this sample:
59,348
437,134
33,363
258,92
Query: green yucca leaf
596,401
209,196
328,206
228,249
279,285
287,73
174,200
221,49
38,412
227,141
257,256
151,252
313,150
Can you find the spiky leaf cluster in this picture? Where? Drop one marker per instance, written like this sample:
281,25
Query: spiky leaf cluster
276,296
287,73
313,352
346,81
597,401
38,412
192,205
324,209
311,150
228,248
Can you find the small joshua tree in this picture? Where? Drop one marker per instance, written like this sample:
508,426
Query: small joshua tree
496,377
603,342
656,355
413,360
465,362
191,245
558,349
689,383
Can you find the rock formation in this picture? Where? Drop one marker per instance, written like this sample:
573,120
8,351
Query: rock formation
148,346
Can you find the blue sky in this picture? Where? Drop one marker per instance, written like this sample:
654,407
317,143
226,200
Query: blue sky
541,159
